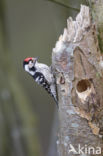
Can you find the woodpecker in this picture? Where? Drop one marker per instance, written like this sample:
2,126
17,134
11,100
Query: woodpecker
42,74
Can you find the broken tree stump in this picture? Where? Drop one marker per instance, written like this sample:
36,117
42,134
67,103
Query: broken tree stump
78,66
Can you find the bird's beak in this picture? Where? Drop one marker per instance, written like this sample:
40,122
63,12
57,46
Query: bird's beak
35,59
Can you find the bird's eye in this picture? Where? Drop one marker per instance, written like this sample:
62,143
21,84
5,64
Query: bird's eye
30,64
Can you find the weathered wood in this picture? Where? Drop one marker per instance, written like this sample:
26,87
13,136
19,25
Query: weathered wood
78,67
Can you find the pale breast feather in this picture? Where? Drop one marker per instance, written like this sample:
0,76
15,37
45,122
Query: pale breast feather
45,70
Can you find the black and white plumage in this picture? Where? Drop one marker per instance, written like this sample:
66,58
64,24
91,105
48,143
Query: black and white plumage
42,74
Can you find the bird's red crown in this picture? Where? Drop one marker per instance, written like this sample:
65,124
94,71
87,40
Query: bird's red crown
28,59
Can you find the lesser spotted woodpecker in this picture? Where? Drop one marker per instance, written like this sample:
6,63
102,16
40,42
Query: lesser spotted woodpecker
42,74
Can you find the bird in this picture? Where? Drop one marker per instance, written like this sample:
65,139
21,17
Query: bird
42,74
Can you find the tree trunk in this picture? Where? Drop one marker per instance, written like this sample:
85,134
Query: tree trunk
78,68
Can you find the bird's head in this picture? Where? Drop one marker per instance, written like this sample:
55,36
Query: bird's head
29,65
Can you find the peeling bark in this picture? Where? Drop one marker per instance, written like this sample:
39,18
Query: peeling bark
78,68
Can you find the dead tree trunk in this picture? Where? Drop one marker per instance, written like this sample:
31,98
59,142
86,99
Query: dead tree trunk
78,66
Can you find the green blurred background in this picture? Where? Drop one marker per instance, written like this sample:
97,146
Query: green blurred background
28,124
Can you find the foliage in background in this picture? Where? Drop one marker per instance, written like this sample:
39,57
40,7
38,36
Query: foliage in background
74,4
18,134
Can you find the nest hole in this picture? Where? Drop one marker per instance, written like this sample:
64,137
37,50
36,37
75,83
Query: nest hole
83,85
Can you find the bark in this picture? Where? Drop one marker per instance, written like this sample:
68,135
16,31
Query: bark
78,67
